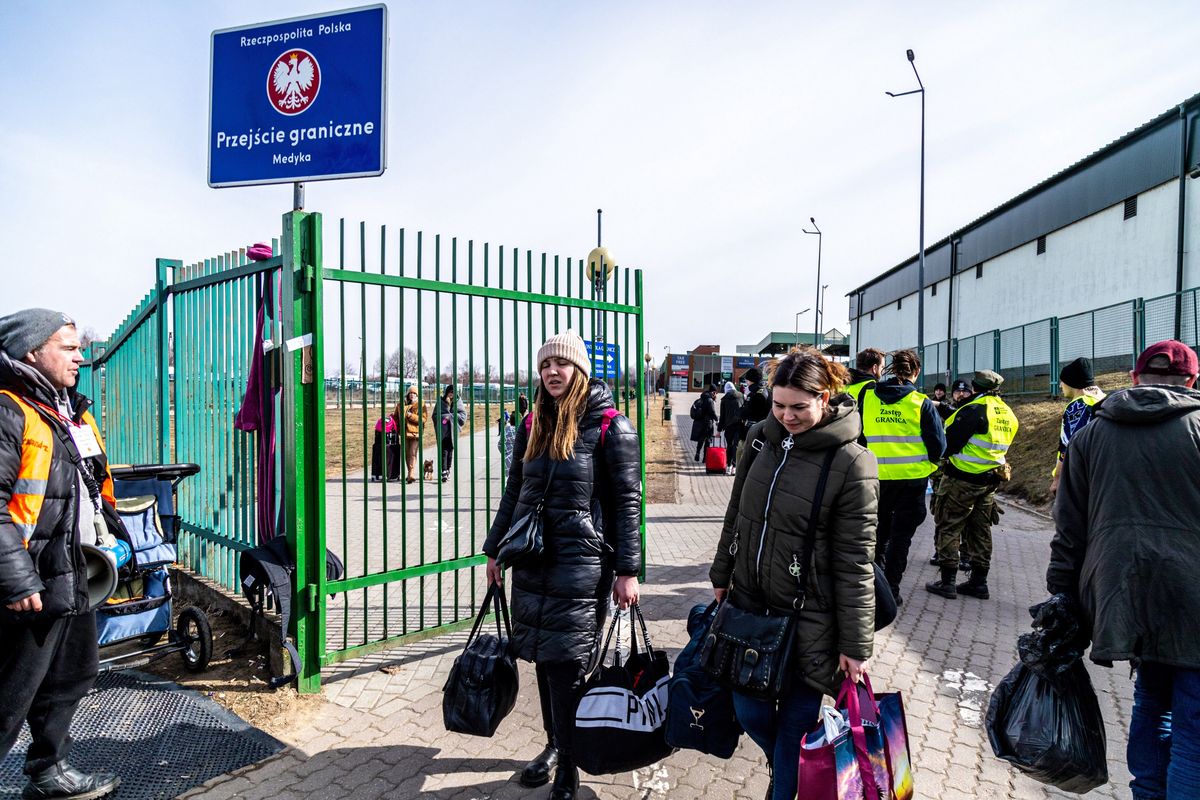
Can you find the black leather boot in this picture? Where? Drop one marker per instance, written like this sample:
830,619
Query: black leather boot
64,782
537,772
976,585
566,781
944,587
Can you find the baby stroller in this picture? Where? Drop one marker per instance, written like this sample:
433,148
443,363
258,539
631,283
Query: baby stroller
138,613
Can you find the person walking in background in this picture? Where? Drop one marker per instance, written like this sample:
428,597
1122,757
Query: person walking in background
978,435
414,412
381,454
941,401
1126,546
758,405
763,536
867,370
730,424
581,459
451,417
902,428
704,420
1076,383
522,410
508,438
53,479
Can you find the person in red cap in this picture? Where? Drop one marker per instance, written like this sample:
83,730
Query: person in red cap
1126,548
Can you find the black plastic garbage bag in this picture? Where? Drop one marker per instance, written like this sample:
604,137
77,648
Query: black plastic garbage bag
1059,636
1051,730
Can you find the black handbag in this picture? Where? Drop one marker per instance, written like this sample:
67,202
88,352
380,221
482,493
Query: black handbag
620,720
885,602
748,651
524,537
482,686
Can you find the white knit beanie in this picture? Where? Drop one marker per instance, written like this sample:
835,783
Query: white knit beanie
566,345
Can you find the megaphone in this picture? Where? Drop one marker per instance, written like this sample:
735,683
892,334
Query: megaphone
101,574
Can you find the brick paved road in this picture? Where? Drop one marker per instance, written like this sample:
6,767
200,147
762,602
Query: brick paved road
380,736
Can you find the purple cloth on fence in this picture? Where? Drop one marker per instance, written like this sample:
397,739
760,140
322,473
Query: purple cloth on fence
258,414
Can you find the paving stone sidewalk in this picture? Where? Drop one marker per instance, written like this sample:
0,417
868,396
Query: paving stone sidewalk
381,736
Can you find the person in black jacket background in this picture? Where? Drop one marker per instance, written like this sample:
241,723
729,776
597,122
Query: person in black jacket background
48,503
591,540
758,404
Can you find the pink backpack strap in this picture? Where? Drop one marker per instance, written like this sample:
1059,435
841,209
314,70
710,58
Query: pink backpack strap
609,414
528,422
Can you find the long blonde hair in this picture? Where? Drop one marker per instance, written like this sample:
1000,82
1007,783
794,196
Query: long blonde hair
555,423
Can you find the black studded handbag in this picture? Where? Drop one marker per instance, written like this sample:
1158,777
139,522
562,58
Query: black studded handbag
751,651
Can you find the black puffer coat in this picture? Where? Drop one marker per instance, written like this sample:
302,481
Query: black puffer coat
769,512
592,531
53,564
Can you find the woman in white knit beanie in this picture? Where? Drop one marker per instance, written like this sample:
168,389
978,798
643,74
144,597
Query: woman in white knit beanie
581,458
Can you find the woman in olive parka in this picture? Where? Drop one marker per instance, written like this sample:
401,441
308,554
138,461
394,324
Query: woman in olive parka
763,538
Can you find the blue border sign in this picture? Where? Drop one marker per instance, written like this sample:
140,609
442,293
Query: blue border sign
605,358
302,99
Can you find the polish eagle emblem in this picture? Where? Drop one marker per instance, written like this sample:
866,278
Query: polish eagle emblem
293,82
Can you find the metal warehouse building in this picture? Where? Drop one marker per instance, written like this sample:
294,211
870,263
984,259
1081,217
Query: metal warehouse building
1094,261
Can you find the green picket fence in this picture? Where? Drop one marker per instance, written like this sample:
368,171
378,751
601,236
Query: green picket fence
346,335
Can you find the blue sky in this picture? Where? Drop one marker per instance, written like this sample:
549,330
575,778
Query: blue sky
709,132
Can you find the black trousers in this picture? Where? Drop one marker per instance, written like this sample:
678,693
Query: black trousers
733,437
558,688
45,670
901,512
447,454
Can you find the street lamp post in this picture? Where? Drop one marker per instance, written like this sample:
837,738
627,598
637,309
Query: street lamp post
921,235
821,310
798,314
816,316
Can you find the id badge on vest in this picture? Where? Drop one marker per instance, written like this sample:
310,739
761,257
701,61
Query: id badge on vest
85,440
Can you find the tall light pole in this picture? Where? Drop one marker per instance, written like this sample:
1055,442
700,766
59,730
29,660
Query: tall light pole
816,316
821,309
798,314
921,251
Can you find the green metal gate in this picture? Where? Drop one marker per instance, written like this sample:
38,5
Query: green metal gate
352,331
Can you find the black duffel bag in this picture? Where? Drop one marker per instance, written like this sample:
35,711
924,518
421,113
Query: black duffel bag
482,686
700,713
620,720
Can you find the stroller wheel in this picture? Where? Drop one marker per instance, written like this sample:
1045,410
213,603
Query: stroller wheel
195,632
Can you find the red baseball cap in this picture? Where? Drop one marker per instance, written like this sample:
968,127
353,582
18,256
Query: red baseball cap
1181,359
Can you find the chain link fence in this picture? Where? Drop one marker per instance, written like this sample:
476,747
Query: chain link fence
1029,356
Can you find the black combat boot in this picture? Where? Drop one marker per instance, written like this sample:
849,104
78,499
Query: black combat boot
944,587
976,585
537,772
64,782
566,781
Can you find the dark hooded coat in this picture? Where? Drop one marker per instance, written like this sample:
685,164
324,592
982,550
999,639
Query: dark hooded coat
53,564
838,616
1126,541
592,531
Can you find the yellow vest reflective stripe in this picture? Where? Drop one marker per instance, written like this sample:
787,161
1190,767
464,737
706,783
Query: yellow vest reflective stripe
893,434
985,451
29,489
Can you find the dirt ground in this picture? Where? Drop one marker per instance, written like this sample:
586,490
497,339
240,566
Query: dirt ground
662,481
239,683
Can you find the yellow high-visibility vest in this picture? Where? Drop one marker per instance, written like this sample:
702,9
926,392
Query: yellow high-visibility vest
893,433
986,451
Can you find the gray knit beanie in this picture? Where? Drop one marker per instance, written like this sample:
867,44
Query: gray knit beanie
566,345
24,331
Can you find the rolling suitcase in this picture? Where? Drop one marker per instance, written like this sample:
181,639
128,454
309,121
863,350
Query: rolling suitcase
714,456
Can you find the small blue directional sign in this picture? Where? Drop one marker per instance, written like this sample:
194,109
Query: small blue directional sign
302,99
605,358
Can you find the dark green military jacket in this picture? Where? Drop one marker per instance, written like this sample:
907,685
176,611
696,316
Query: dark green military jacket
769,512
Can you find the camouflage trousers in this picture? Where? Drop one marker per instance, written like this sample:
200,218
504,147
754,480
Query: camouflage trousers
964,513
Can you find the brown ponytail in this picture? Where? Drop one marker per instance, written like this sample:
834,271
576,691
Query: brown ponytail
805,368
906,365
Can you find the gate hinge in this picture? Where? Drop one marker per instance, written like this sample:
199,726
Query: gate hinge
310,596
308,275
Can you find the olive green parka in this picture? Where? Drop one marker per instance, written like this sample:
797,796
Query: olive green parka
768,514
